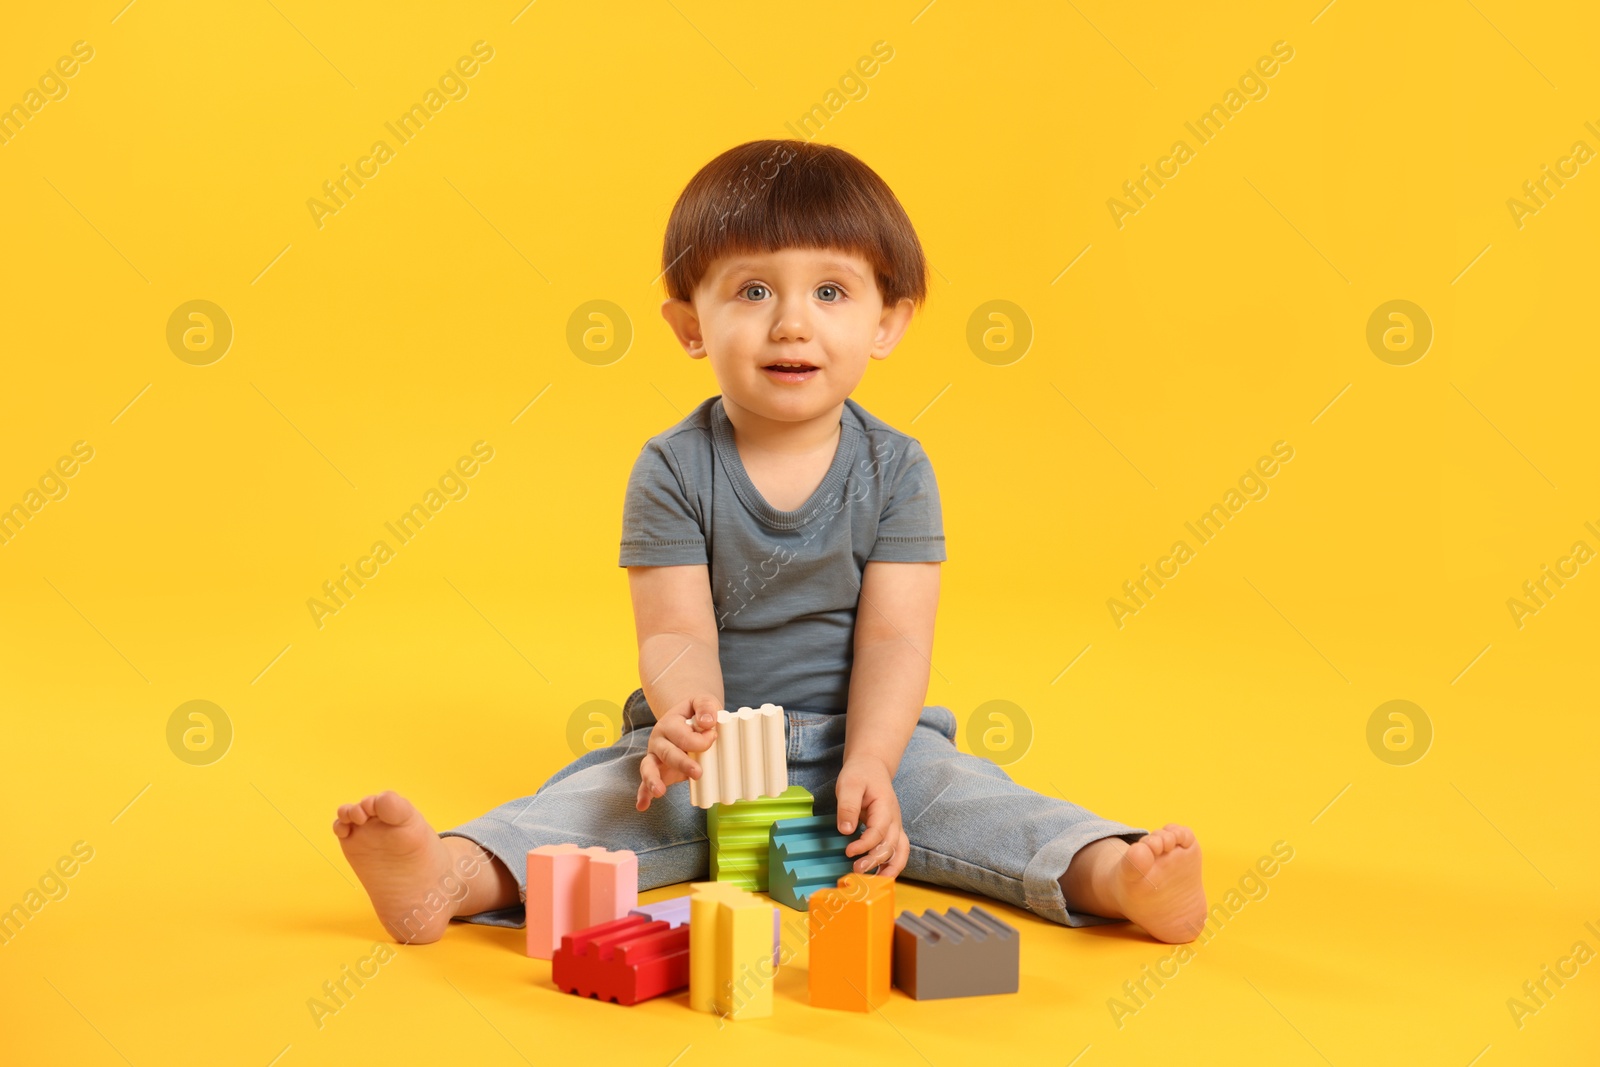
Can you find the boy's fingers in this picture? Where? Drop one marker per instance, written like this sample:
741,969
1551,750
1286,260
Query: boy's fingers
675,736
696,740
870,839
703,710
682,765
664,752
849,798
876,856
676,765
685,737
897,862
650,783
879,860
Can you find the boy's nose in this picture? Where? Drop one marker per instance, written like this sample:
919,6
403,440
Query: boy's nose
792,324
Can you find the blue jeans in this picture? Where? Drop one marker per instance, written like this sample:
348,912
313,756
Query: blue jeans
971,827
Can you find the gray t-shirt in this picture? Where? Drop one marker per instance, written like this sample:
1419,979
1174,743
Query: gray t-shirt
784,584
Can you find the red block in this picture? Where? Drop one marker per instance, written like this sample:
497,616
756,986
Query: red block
626,960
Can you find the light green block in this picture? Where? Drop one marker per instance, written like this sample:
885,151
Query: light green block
739,835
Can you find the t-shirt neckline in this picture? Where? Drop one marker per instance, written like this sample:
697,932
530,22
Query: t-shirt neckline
722,439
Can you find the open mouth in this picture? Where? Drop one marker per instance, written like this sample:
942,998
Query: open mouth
790,371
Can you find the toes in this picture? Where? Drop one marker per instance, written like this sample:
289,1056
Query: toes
1183,835
391,807
341,828
1139,856
1158,842
352,813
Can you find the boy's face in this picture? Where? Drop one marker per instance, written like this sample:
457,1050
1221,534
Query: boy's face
819,307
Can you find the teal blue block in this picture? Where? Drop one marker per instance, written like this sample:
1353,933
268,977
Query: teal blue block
805,855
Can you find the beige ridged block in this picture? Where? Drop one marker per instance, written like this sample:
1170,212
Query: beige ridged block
749,758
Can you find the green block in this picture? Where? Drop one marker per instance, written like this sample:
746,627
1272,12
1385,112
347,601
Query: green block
739,835
805,855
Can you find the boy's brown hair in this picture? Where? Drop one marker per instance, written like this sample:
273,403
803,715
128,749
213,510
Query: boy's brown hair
763,196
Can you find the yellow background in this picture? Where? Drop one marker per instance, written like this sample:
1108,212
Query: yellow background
427,314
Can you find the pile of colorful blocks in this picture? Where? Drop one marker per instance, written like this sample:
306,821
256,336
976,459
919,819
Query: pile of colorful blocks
721,940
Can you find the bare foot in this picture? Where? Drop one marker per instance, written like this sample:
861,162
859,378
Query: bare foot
1158,884
417,880
1154,882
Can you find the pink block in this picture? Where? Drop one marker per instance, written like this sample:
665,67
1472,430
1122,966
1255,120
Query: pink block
553,871
613,885
572,888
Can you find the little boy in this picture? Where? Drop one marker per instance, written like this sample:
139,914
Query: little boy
783,546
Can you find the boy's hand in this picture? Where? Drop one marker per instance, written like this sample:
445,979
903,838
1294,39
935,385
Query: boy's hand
865,790
689,727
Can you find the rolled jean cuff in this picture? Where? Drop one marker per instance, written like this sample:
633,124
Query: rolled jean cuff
504,844
1041,879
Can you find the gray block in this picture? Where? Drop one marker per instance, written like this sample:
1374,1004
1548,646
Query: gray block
955,954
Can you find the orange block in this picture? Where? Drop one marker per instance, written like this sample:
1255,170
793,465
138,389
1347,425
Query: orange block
852,943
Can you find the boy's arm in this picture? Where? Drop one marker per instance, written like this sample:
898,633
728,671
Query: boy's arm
888,683
679,671
893,655
676,625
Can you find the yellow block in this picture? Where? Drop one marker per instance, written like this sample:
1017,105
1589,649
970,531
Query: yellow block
703,941
745,971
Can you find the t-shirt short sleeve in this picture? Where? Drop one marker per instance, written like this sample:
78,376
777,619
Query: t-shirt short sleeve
911,528
661,524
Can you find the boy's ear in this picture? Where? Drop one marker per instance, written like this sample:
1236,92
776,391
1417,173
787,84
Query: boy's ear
680,315
891,327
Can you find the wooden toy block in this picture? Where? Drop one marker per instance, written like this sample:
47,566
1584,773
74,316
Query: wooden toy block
733,951
704,898
674,911
805,855
852,943
749,758
777,933
956,954
738,833
571,888
625,960
714,889
745,971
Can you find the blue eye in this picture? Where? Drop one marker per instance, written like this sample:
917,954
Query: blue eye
829,288
756,286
